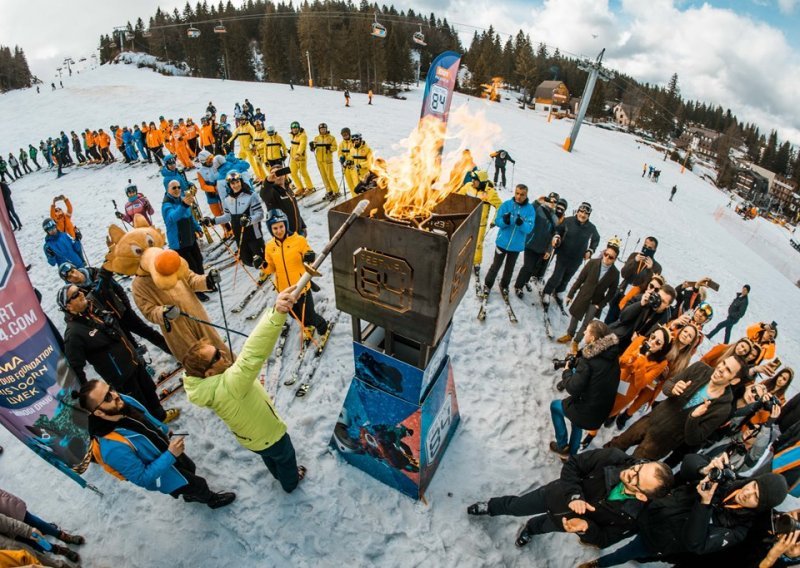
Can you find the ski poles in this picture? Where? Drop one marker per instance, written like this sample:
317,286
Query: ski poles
114,201
513,169
208,323
225,318
626,245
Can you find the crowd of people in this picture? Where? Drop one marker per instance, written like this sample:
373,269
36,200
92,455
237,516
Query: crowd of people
715,446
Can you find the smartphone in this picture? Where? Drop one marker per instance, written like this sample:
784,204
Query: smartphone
647,251
713,285
284,171
184,434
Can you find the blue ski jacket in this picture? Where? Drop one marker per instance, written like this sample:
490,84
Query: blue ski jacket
63,249
511,236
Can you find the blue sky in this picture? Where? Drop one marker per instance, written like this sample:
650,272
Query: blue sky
723,52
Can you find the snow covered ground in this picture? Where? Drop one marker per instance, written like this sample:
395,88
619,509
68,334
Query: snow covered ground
340,516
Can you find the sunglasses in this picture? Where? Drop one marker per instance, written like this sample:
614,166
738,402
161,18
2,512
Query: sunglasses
174,187
654,287
215,358
610,256
74,295
106,399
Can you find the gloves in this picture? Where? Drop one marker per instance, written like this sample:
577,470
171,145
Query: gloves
258,261
119,215
213,278
518,221
312,145
207,221
507,218
341,160
78,234
171,312
244,221
50,252
315,287
349,163
309,256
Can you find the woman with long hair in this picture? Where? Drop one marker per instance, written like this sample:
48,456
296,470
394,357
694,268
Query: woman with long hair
743,348
779,384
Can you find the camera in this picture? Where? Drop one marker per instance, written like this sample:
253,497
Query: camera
562,363
720,475
767,403
654,301
783,523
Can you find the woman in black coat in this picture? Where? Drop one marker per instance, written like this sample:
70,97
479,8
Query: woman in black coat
591,380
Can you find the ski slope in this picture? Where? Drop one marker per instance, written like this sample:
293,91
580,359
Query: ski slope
504,377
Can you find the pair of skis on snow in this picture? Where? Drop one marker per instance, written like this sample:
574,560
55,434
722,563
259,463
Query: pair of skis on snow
165,390
305,371
483,294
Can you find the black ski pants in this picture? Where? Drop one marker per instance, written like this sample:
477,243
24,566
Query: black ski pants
533,503
250,246
500,256
17,171
196,490
13,217
106,154
726,324
157,153
534,265
194,257
565,269
500,170
281,462
140,386
26,168
304,309
33,159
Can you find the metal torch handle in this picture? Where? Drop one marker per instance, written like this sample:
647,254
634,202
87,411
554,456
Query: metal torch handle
306,277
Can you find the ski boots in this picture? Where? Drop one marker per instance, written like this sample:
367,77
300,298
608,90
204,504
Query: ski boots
172,415
476,269
523,537
308,332
71,538
586,441
566,338
563,453
68,553
622,419
520,294
221,499
478,509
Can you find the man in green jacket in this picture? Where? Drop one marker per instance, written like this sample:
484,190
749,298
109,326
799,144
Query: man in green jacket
233,391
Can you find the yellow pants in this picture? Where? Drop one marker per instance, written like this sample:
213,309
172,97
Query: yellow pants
255,163
479,245
299,170
328,177
351,178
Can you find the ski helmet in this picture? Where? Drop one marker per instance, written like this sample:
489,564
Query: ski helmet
169,159
270,130
204,156
64,269
356,136
706,308
277,216
48,225
294,125
233,176
585,206
131,188
345,130
322,125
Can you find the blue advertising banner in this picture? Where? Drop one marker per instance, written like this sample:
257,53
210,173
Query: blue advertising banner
35,379
439,85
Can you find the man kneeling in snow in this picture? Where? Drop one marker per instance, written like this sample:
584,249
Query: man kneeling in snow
233,391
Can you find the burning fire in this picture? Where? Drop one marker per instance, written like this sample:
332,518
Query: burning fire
414,180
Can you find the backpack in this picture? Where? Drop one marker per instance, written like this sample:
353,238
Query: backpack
97,457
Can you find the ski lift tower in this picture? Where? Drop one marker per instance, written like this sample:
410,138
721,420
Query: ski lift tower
595,70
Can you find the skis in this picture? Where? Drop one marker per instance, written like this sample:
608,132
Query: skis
167,375
169,391
295,374
305,193
246,300
509,310
308,373
548,327
277,356
482,310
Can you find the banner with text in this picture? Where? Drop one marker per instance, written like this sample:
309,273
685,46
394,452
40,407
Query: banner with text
35,378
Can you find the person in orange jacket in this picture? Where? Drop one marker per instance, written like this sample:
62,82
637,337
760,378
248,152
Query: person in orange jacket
120,143
166,132
91,146
207,139
192,136
62,218
104,143
765,335
155,142
181,148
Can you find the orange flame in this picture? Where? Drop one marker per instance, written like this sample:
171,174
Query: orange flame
414,180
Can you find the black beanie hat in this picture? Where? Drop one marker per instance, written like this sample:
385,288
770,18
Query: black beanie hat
772,490
747,286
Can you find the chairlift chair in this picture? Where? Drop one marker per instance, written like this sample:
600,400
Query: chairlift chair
129,36
193,32
220,29
419,37
378,29
147,33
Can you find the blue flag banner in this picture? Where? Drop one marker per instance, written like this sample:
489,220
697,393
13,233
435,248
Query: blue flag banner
439,85
35,378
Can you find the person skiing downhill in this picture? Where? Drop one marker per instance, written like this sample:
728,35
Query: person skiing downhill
500,159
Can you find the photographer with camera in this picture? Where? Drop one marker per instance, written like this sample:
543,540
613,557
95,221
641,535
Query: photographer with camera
598,496
638,270
644,313
699,400
764,334
591,378
276,193
94,335
700,518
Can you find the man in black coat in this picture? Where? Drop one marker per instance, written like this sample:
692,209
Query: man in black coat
701,517
591,381
276,193
599,496
12,214
637,271
736,311
94,335
538,243
107,293
500,159
595,286
575,240
699,401
640,316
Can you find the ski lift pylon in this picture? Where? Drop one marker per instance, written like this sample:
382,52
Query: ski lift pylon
220,29
378,29
193,32
129,36
419,37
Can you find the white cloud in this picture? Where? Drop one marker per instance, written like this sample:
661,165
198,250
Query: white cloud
787,6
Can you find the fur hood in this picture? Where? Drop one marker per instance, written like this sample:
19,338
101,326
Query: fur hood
596,347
